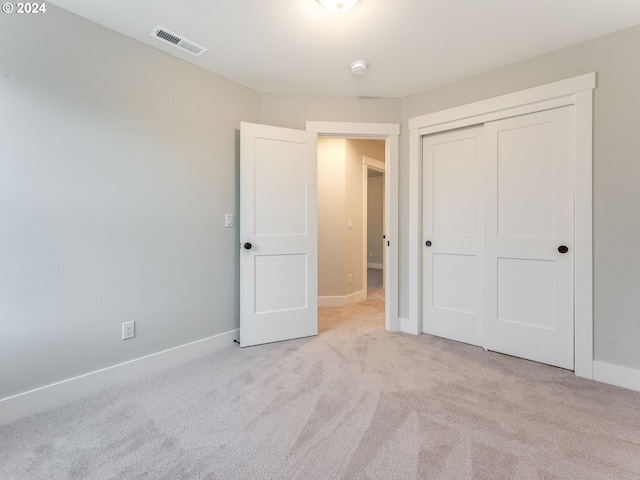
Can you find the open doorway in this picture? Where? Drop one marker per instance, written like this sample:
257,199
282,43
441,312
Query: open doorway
293,275
351,192
389,133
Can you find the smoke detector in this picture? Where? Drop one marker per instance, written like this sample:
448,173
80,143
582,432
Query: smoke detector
178,41
359,67
338,5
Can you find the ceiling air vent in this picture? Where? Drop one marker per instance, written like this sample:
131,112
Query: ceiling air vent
174,39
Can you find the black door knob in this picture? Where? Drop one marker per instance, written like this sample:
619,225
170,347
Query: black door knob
248,246
428,243
563,249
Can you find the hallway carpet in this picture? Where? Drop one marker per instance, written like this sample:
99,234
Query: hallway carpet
355,402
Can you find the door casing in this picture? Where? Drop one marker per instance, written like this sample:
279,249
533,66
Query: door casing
388,132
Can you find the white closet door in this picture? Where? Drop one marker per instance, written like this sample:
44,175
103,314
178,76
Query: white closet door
452,244
528,222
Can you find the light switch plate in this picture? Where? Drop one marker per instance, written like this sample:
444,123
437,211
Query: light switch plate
228,220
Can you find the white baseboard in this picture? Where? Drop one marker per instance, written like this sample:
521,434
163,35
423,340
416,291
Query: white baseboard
408,326
616,375
342,301
45,398
379,266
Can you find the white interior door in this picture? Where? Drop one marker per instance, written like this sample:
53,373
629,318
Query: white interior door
278,234
452,243
529,218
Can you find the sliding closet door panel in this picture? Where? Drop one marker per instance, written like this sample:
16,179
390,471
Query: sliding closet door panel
451,229
528,218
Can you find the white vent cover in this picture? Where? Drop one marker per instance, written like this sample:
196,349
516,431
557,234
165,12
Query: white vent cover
178,41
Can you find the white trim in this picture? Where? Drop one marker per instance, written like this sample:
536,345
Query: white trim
409,326
390,133
498,115
390,255
342,301
415,232
583,279
509,101
573,91
50,396
373,164
377,266
616,375
353,129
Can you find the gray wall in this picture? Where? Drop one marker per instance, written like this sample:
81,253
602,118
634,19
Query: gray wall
117,164
293,111
616,172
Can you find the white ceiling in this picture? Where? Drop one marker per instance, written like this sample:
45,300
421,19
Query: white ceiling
299,47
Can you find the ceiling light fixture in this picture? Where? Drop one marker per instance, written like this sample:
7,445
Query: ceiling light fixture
338,5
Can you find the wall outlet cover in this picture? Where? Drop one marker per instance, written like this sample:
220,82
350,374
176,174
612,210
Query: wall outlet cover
128,330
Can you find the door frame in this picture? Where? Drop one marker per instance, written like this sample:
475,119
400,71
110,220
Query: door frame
390,133
577,91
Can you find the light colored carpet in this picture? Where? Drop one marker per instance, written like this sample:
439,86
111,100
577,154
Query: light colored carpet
355,402
375,284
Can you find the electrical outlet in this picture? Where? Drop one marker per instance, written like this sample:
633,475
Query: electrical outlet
349,278
128,330
371,254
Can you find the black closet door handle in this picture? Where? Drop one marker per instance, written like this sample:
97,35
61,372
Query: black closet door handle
428,243
248,246
563,249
